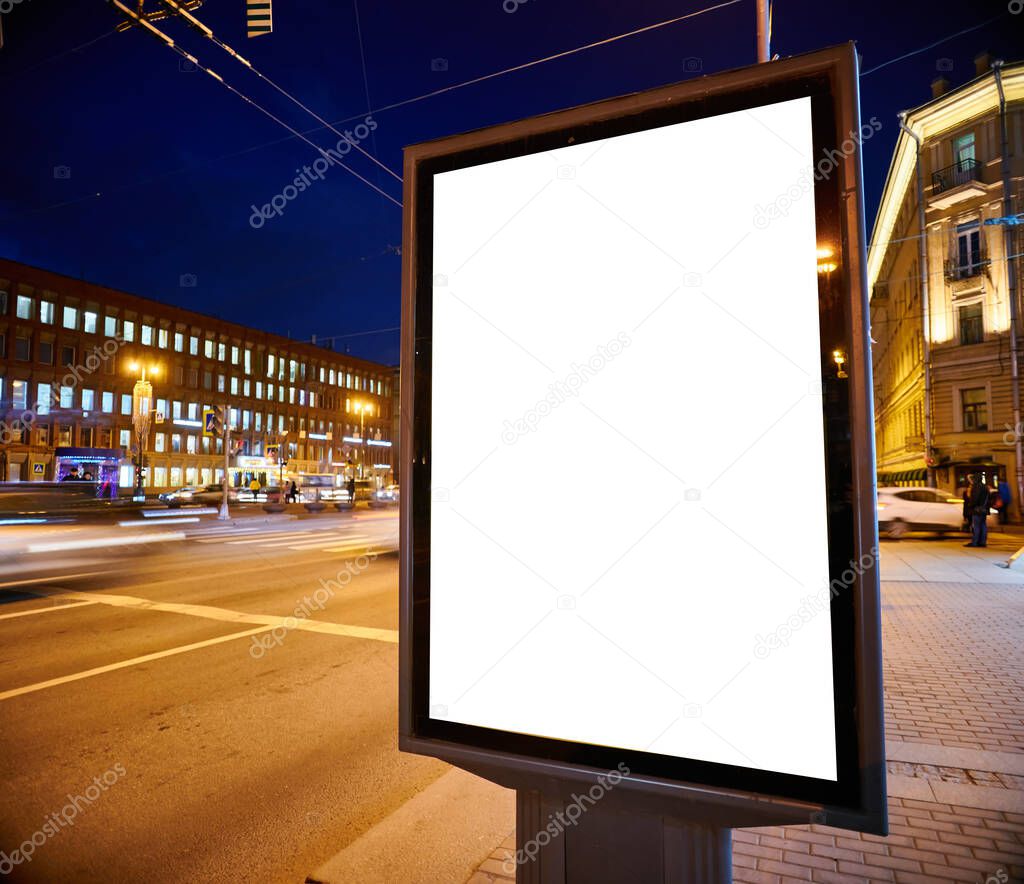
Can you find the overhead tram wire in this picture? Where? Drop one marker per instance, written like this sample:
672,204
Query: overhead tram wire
145,25
208,33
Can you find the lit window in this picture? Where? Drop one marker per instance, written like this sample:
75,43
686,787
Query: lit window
159,442
190,444
160,477
124,438
126,403
110,326
89,322
176,442
220,383
176,410
270,363
193,345
107,400
234,355
43,398
24,307
234,386
147,335
67,397
70,317
88,400
208,348
128,330
221,352
179,342
246,388
248,361
175,476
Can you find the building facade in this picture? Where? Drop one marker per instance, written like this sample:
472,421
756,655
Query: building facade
943,323
71,353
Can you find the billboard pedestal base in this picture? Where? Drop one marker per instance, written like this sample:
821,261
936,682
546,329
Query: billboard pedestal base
576,840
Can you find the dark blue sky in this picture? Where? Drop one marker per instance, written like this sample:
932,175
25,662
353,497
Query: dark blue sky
164,164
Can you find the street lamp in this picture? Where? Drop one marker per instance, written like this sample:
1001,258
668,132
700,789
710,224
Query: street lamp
142,399
363,408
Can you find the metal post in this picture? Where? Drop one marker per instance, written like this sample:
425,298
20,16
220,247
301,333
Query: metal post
223,514
926,347
1009,251
763,31
579,840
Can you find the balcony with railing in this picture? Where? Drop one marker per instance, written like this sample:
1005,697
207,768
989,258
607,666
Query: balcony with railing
956,183
967,266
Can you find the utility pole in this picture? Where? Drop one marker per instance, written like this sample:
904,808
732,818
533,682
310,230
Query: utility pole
223,514
763,31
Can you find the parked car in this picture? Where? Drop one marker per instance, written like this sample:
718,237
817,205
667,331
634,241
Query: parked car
920,509
386,496
197,495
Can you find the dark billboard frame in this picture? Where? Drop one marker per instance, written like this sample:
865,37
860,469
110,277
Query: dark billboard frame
727,795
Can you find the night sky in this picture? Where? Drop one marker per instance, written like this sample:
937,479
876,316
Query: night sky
124,167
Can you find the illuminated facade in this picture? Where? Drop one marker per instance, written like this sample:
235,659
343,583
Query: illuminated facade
71,353
944,322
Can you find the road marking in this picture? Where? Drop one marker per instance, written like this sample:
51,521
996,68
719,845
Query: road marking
270,535
124,664
46,610
101,542
54,578
164,522
162,514
209,612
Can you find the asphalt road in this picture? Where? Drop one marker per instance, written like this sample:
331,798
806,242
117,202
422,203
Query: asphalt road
211,758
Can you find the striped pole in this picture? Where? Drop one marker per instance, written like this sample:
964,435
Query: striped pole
258,17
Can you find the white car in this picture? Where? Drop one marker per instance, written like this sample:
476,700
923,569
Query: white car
920,509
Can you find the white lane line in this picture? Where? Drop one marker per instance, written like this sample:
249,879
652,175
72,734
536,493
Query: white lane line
54,578
163,514
320,541
46,610
210,612
101,542
124,664
262,538
164,522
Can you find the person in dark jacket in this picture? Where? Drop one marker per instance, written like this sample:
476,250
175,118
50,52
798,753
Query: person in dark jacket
352,490
1004,496
977,508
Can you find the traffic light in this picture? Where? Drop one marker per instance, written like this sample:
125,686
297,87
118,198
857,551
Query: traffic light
213,421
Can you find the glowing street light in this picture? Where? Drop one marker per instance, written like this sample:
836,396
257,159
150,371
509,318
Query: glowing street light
142,400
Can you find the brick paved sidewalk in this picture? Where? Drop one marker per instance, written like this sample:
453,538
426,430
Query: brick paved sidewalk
954,704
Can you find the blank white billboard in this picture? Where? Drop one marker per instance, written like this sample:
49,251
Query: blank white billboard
628,528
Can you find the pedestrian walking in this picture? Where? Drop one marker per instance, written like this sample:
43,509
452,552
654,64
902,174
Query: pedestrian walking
254,487
1004,496
293,492
977,506
352,490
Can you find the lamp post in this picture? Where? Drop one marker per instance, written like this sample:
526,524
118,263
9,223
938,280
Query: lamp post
362,408
142,400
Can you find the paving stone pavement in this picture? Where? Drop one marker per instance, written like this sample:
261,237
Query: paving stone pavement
953,648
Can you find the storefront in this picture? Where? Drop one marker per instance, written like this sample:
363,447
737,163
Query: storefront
99,465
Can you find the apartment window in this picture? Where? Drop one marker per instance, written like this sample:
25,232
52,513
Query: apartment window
968,248
161,406
234,386
89,320
43,435
190,475
175,442
107,402
206,444
124,438
293,368
128,330
963,150
207,380
176,410
208,348
88,400
161,338
67,397
193,345
43,398
193,411
190,443
126,403
67,355
24,309
19,394
23,348
110,326
974,408
193,378
234,355
3,345
179,342
972,326
175,476
221,352
160,477
246,388
3,303
46,312
247,361
220,383
146,337
270,361
179,375
70,317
